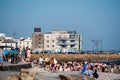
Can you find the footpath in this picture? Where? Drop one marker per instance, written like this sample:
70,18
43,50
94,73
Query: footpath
42,74
55,75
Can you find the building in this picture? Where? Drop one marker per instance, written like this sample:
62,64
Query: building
37,40
62,41
7,42
23,43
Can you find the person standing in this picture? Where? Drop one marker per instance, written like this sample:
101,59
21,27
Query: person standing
12,51
6,53
52,63
23,54
1,58
26,49
28,55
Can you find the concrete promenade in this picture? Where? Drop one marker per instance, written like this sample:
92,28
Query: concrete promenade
55,75
46,75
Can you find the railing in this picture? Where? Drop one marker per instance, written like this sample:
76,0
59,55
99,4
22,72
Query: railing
66,43
66,38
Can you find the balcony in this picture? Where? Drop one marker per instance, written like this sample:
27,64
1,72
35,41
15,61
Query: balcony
62,38
66,43
73,43
62,43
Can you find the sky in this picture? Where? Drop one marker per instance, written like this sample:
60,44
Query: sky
93,19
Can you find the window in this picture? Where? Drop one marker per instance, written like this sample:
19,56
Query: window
64,46
47,41
47,36
39,42
52,45
52,40
47,46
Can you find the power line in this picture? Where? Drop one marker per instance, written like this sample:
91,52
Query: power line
96,44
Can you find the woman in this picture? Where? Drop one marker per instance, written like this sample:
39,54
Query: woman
28,55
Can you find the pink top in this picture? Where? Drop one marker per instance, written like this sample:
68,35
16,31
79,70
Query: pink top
28,53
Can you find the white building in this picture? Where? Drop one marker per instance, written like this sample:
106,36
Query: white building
7,42
62,41
23,43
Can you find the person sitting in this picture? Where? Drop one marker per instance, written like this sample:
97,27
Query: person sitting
95,75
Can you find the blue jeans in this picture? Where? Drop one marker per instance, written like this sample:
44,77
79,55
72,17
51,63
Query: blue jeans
1,59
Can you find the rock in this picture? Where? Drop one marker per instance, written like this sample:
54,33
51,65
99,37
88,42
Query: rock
14,77
64,77
1,79
27,74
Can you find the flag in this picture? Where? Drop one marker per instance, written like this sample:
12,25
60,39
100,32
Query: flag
84,68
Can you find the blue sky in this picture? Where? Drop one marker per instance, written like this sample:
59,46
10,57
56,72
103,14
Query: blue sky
94,19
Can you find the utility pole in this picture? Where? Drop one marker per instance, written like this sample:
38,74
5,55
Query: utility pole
101,44
93,43
96,44
15,36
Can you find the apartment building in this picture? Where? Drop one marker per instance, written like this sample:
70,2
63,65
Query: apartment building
23,43
62,41
37,40
6,41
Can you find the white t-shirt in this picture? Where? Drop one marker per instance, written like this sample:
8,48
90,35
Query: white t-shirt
90,72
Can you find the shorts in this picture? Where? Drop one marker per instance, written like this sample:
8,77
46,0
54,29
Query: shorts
1,60
47,63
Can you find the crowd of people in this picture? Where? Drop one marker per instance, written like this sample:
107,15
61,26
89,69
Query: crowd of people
14,55
90,68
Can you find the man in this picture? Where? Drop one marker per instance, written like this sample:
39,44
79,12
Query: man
6,54
95,75
1,58
12,51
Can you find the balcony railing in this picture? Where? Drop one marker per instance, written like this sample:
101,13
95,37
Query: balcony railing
73,43
62,43
66,43
62,38
66,38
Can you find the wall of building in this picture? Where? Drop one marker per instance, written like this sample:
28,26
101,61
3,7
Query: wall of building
62,41
23,43
37,41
